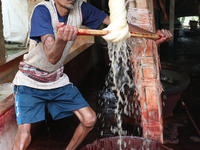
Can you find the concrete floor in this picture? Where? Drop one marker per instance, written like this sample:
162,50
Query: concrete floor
179,131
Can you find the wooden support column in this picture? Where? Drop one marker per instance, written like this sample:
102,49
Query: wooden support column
2,44
146,71
171,20
199,12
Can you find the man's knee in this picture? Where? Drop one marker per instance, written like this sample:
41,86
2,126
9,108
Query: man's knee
22,141
24,131
26,136
90,120
22,138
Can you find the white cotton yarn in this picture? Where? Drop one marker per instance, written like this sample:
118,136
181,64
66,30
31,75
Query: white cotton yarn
118,26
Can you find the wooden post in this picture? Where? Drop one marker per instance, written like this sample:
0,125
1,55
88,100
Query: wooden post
171,20
147,72
2,44
199,12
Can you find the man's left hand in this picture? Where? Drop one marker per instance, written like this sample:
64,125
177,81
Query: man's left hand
166,36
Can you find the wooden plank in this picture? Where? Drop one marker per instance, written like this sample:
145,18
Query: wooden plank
171,20
148,73
2,45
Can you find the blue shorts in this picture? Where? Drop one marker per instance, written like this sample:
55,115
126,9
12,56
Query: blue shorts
30,103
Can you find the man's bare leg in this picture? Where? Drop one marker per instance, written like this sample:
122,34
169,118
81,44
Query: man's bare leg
23,137
87,119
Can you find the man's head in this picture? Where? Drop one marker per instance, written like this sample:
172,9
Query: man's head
68,4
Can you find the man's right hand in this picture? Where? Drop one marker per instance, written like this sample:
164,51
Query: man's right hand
66,33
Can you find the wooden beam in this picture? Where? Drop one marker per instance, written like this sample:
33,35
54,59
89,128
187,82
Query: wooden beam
171,20
2,44
147,73
199,11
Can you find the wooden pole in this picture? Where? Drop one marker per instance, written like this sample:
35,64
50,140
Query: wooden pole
199,12
105,32
171,20
147,74
2,44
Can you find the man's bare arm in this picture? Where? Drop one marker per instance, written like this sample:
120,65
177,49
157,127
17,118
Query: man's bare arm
54,48
163,9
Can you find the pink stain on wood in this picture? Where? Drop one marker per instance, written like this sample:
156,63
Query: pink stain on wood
147,74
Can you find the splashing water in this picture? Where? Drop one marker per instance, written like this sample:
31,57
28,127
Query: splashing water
120,75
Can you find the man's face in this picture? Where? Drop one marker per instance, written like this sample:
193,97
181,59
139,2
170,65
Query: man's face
69,4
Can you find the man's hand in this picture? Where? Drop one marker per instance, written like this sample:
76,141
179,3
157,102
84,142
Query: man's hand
66,33
166,36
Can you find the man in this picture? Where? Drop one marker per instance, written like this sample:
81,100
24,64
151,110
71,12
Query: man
40,80
157,5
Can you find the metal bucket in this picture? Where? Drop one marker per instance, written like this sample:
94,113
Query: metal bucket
128,143
176,83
